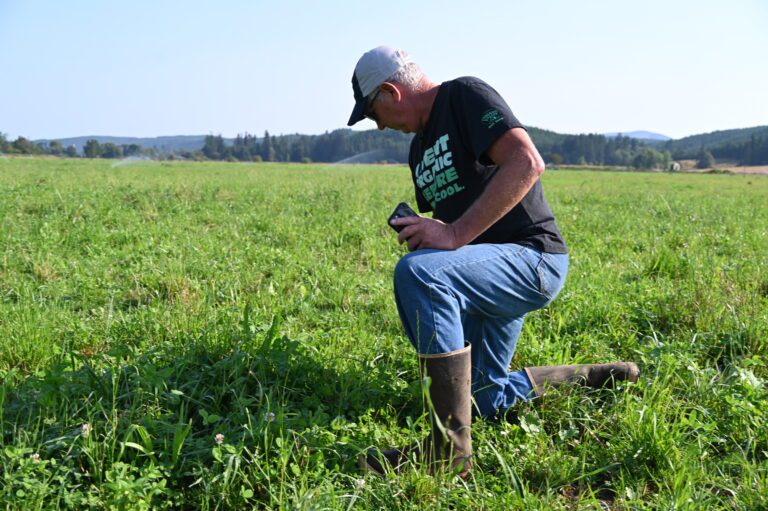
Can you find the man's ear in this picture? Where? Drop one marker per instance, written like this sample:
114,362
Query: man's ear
392,89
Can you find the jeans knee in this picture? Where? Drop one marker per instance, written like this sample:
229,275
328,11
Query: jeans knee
409,270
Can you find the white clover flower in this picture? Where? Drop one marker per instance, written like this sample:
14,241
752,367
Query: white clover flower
269,417
35,457
219,439
359,484
86,430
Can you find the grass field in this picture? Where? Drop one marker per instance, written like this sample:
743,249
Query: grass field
223,336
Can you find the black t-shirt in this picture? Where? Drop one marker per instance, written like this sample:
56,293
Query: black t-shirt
450,167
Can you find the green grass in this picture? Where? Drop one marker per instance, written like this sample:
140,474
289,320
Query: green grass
145,309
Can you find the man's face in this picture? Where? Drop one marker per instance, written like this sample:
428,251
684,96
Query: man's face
388,110
369,111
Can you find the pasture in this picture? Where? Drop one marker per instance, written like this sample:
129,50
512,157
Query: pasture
223,336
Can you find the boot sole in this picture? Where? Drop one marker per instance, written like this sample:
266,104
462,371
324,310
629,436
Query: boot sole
633,372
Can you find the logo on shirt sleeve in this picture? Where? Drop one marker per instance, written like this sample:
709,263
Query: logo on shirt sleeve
491,118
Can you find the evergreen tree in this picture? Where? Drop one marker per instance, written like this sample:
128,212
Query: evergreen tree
110,150
25,146
241,150
55,148
214,148
92,148
132,149
297,152
705,160
267,149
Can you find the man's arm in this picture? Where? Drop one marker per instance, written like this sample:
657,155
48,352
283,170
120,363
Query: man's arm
520,165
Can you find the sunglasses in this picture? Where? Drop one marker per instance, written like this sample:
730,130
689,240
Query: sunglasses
369,113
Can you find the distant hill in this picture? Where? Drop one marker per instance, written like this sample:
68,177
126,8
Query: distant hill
544,137
688,146
641,135
162,144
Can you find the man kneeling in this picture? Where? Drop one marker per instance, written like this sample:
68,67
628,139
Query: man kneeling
490,254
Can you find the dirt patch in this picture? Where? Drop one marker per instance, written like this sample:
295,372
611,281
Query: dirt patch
723,167
756,170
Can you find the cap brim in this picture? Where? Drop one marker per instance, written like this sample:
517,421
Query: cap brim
358,113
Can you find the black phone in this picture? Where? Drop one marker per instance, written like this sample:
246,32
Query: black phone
402,210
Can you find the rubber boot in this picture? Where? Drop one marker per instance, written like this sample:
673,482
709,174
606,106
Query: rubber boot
450,392
591,375
450,403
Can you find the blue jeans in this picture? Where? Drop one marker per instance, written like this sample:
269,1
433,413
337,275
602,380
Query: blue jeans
479,294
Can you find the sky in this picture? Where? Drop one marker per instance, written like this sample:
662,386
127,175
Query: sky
166,67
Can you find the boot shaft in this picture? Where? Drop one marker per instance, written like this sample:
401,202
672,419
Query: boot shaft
449,400
450,403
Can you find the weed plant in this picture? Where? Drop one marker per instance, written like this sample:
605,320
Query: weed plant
223,336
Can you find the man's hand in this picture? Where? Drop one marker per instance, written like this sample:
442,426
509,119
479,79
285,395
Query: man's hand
421,232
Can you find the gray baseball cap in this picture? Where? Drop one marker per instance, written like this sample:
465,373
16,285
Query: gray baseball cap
373,69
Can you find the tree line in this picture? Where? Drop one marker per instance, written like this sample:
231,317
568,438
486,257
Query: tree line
596,149
392,147
751,152
338,145
23,145
92,149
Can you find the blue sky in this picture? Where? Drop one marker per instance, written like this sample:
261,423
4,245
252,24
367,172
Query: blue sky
150,68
